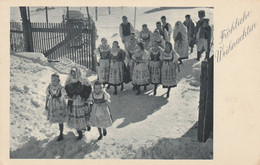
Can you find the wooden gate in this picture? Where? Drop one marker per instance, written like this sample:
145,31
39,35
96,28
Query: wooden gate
205,123
61,40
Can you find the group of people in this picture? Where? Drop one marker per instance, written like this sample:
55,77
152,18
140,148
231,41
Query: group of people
77,104
150,58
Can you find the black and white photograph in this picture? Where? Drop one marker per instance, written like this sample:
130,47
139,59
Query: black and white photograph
111,82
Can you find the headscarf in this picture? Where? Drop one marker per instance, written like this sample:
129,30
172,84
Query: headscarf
71,79
182,29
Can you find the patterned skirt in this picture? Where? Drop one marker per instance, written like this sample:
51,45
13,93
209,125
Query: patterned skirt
169,74
57,110
141,75
131,68
100,116
103,71
116,75
79,114
155,72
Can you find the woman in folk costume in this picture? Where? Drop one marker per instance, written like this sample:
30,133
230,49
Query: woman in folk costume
169,67
78,90
158,39
116,71
155,65
56,104
146,36
130,50
100,113
102,53
141,75
181,45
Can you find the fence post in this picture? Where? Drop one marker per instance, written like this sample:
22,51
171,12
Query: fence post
96,10
205,123
27,32
109,11
93,45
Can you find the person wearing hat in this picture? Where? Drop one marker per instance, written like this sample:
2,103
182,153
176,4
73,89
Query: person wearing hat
167,27
145,36
55,103
191,30
162,32
203,38
201,15
125,30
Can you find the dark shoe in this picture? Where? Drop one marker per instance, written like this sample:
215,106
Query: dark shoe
100,137
122,87
80,135
60,137
167,95
88,128
154,92
138,92
104,132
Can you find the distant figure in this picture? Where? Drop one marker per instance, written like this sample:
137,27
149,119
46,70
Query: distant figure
191,30
155,65
125,29
100,115
116,71
162,32
141,76
204,38
201,15
169,68
166,26
130,50
55,103
102,52
158,39
180,40
145,36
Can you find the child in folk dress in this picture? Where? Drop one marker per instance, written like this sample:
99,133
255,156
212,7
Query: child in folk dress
55,103
100,115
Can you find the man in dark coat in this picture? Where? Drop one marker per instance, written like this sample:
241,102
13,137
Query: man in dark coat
190,31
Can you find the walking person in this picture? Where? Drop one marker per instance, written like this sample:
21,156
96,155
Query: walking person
102,53
55,103
146,36
190,30
181,40
100,112
125,29
167,26
116,71
141,76
203,38
162,32
155,65
169,68
78,90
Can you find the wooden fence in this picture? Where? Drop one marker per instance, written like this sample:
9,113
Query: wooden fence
205,123
16,37
62,40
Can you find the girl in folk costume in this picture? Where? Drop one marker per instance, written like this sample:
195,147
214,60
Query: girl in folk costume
180,37
55,103
102,53
116,71
78,90
203,38
100,113
158,39
130,50
145,36
141,76
169,67
155,65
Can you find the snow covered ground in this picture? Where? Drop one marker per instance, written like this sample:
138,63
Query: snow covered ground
145,127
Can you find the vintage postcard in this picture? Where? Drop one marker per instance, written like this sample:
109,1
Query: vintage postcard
164,82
